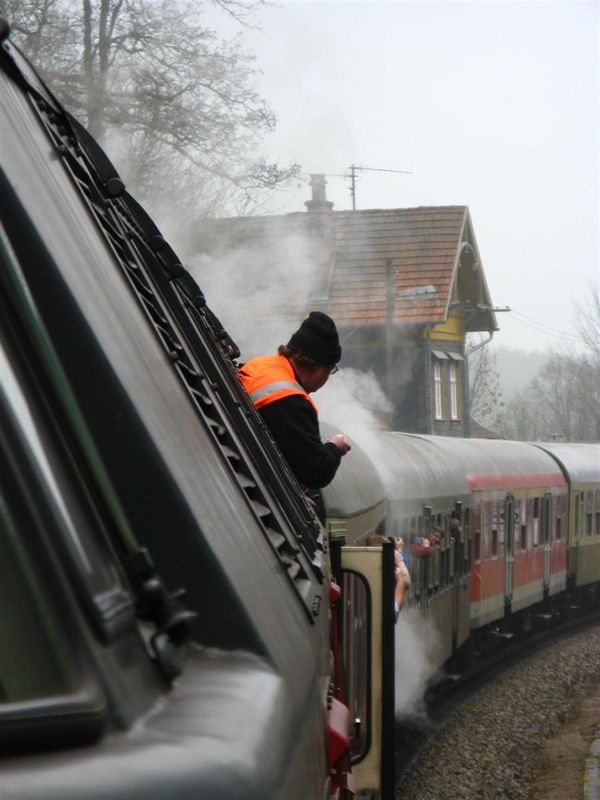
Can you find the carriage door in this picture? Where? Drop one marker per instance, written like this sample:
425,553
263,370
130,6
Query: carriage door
546,517
367,580
509,523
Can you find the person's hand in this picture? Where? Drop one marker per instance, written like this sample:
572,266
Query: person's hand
340,440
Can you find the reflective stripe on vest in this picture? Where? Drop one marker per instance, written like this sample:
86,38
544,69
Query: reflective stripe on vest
271,378
271,388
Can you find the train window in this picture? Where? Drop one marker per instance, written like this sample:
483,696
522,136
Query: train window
597,514
578,513
523,520
357,655
509,525
523,538
589,513
544,522
427,574
495,530
535,505
485,525
417,577
560,510
467,539
477,540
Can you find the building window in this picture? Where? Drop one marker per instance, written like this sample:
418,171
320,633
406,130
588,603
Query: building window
438,386
454,392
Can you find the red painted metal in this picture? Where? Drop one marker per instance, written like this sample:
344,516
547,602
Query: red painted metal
506,481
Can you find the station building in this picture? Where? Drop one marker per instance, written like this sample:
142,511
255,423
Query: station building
405,287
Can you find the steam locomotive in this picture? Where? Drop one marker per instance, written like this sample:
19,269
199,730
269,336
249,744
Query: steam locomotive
170,624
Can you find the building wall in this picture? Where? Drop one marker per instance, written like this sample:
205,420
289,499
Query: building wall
405,370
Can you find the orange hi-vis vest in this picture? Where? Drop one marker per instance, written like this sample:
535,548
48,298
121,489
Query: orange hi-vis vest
270,378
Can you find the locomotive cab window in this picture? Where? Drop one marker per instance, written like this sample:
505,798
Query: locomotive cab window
59,480
44,677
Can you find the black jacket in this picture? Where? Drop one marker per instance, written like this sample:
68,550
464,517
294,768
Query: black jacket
294,425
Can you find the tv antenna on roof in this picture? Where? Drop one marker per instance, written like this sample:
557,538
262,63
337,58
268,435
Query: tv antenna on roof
353,170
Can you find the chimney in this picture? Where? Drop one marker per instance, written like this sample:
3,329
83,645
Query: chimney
318,201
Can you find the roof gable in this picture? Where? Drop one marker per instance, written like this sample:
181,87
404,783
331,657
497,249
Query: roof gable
411,266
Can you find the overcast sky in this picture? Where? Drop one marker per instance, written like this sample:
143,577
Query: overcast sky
494,105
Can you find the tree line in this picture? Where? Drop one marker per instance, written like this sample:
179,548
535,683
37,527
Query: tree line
175,107
562,402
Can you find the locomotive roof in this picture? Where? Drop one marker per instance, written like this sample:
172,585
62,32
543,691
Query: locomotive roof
579,462
357,485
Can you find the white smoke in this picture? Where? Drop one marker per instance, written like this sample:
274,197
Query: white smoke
354,402
413,667
260,292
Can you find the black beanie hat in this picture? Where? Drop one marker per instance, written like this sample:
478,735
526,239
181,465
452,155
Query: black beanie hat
317,338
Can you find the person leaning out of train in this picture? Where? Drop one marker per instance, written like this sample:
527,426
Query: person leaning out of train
437,534
401,560
420,547
280,387
376,540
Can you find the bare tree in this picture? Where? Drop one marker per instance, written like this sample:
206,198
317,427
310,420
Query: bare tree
563,400
485,393
588,323
521,419
173,103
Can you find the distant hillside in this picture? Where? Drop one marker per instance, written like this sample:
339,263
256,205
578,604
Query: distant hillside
517,368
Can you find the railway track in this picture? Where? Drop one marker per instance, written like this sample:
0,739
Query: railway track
445,699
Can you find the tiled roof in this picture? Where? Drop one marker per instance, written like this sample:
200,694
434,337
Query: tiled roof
354,251
419,246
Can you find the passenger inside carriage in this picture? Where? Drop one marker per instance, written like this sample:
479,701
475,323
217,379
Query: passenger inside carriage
279,387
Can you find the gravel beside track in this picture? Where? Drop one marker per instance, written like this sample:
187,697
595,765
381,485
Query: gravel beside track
493,746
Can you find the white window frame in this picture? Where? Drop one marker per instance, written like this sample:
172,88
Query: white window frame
454,392
438,388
